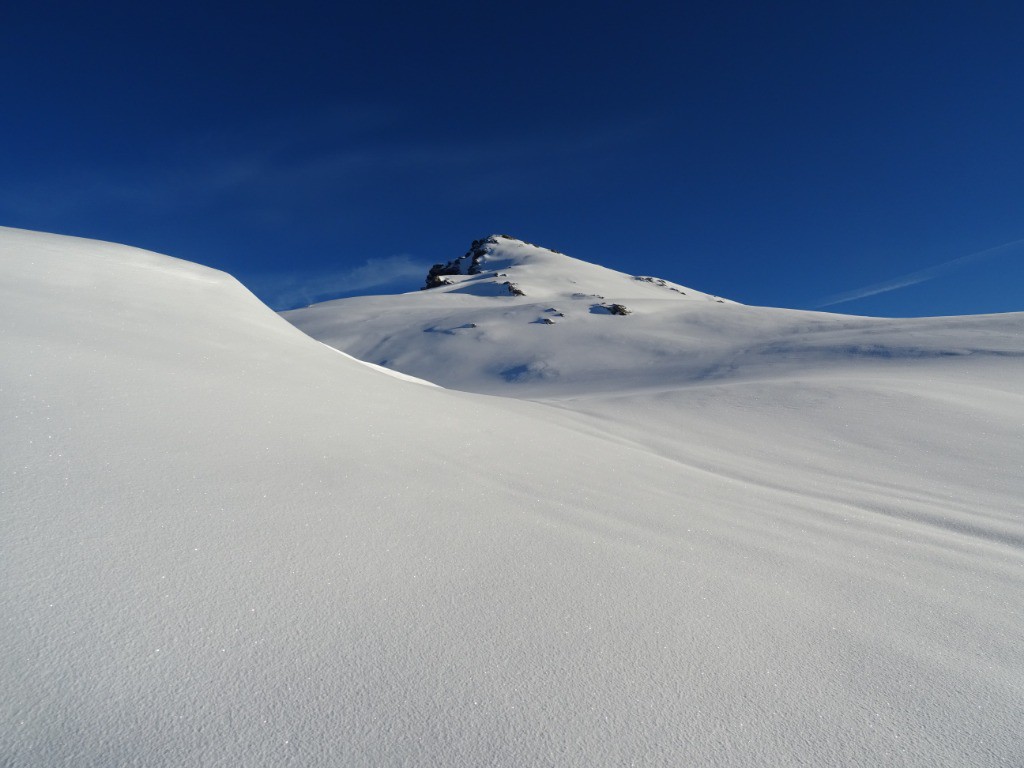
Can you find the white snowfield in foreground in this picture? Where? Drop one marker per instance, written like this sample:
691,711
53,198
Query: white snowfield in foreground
761,538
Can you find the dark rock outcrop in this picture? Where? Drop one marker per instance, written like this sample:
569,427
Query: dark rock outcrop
435,277
513,289
467,264
611,309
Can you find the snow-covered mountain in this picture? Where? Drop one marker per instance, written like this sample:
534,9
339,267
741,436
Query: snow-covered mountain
514,319
224,543
500,265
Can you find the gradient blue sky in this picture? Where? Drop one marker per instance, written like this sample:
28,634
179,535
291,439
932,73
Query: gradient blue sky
788,154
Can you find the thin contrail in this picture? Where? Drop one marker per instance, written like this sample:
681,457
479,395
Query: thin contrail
920,276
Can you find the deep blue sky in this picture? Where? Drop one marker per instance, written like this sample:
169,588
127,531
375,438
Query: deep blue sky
774,153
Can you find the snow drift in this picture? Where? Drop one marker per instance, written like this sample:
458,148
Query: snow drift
225,544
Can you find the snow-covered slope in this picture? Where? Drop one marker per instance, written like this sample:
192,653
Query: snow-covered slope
560,340
226,544
500,265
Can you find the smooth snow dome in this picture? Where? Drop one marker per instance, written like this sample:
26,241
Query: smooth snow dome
756,538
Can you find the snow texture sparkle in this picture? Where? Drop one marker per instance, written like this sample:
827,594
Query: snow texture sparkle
699,533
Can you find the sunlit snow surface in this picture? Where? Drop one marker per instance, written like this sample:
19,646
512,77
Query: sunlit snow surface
760,538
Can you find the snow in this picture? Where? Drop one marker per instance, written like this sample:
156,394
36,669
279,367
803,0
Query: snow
698,534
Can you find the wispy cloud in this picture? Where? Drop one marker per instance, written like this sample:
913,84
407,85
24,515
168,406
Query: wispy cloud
920,276
284,163
295,289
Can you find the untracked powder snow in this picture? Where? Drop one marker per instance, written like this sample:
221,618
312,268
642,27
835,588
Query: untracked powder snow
696,534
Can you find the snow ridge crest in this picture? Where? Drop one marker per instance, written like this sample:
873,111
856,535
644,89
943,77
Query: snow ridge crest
470,262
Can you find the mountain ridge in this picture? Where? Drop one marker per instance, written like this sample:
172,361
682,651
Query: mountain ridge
499,262
512,318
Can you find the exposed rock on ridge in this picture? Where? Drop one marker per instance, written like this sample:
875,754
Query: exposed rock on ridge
467,264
